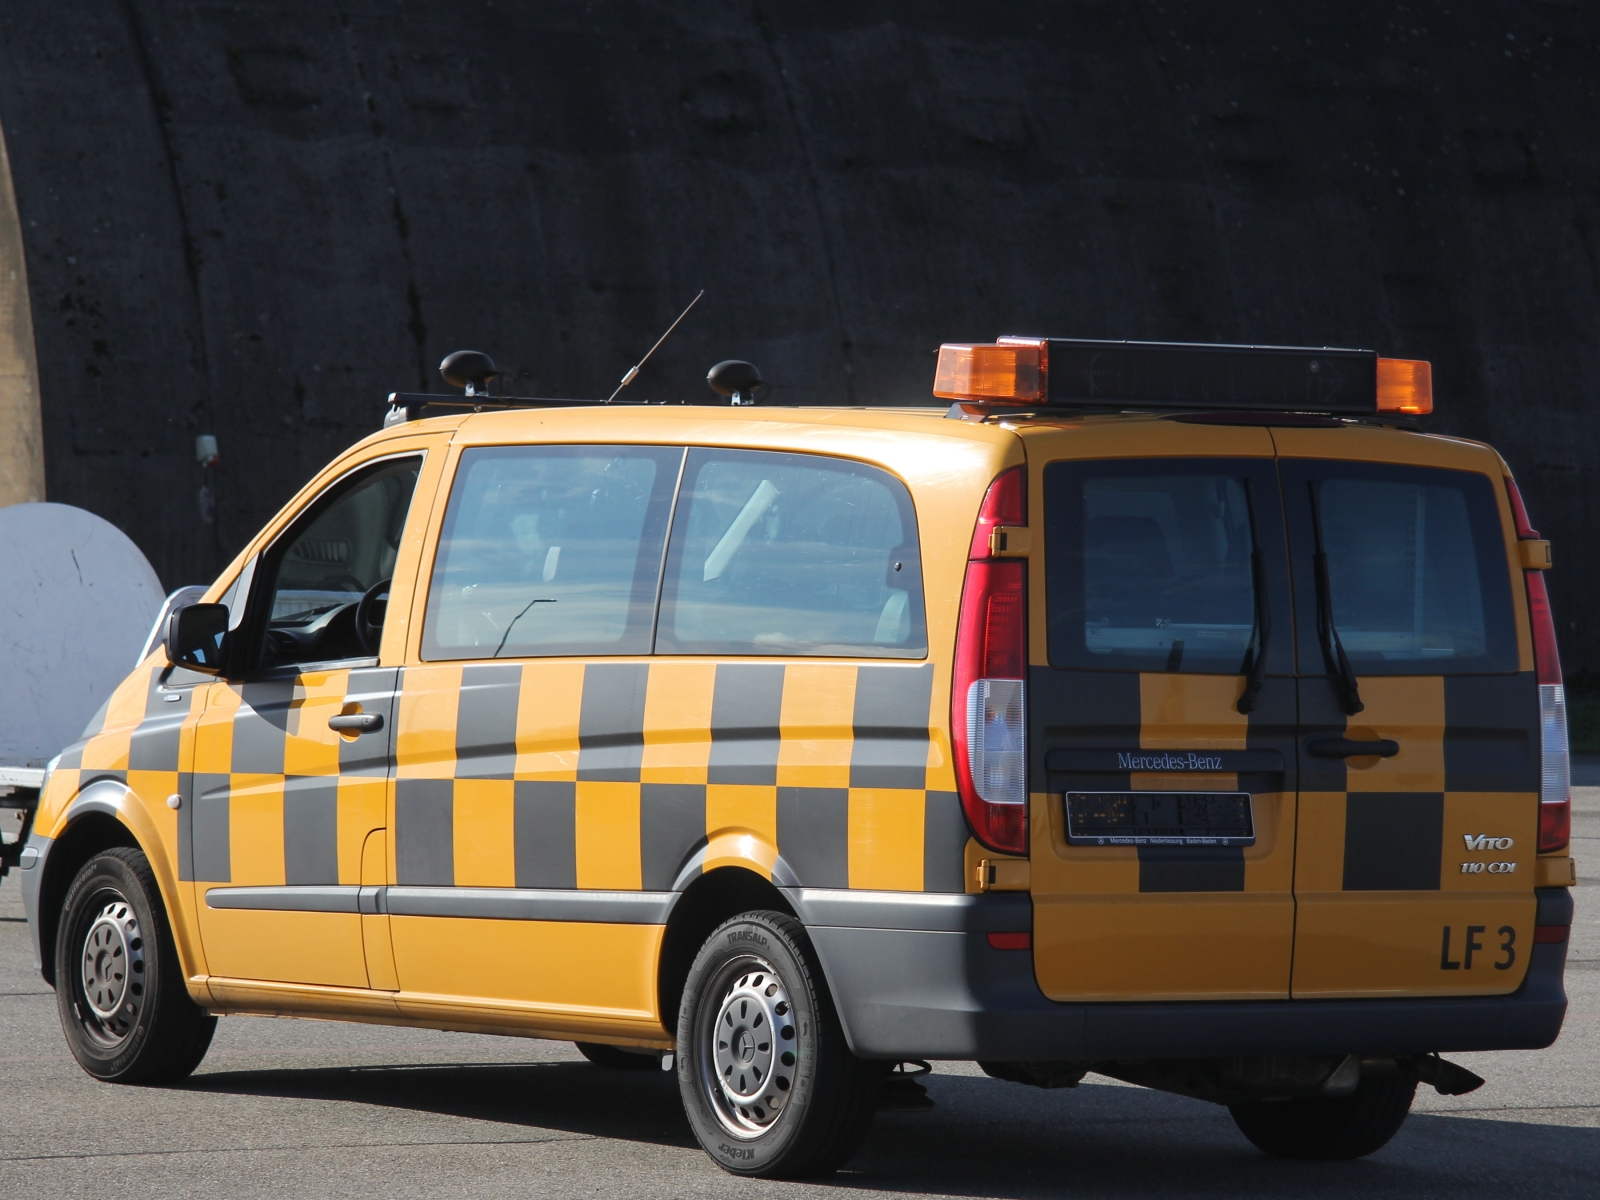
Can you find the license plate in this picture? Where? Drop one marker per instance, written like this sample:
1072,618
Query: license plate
1160,819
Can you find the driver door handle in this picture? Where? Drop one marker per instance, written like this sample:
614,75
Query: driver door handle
359,722
1343,747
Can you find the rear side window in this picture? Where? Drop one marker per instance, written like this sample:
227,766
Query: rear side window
1416,567
1149,562
791,554
550,550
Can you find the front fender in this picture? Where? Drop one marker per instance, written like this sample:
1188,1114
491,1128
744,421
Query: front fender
113,798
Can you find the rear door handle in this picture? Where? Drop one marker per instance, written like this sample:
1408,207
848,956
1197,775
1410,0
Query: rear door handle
1343,747
356,722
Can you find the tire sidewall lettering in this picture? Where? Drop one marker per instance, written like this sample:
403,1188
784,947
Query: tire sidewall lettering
746,937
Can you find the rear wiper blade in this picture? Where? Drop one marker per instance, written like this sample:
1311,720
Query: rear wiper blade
1338,662
1255,670
1255,667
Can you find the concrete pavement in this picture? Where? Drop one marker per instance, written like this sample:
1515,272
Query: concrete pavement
283,1109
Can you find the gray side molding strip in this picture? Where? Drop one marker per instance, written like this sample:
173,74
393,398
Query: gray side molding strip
327,899
946,912
531,904
495,904
838,907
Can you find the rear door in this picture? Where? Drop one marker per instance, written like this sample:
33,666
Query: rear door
1414,868
1162,816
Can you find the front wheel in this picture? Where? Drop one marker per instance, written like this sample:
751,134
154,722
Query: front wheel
769,1084
1330,1127
119,987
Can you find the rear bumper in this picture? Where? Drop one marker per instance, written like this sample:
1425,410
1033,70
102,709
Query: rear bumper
913,977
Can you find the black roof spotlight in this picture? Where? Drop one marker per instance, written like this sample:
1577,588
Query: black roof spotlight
737,380
469,369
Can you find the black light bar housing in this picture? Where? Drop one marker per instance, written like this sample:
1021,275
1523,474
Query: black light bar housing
1182,376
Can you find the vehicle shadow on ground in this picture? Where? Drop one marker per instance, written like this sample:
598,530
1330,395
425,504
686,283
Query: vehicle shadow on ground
573,1097
988,1138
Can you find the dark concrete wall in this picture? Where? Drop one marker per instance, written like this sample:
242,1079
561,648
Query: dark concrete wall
255,219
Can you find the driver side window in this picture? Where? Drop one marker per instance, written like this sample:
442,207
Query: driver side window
327,598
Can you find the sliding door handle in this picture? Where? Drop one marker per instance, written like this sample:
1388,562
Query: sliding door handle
359,722
1343,747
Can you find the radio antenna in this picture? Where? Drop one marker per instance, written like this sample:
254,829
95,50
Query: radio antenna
634,370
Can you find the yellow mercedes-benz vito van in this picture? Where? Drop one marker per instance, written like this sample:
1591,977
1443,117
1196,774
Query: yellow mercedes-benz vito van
1178,713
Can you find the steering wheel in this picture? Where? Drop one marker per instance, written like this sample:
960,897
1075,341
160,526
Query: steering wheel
370,612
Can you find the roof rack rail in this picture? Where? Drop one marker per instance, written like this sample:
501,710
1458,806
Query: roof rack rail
735,381
414,406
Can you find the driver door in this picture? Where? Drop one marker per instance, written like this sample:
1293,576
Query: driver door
292,752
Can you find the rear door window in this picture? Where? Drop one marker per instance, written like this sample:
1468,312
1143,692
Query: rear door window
1151,564
550,550
791,554
1416,572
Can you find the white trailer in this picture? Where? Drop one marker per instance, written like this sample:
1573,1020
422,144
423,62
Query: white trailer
78,607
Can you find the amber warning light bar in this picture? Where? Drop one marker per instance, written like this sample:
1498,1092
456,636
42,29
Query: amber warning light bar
1174,375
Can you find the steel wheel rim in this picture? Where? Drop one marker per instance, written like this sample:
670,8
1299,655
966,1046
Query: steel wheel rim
111,971
749,1048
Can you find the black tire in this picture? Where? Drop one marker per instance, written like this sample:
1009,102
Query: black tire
1330,1128
810,1112
618,1059
121,996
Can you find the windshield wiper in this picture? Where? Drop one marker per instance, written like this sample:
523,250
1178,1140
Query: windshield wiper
1337,661
514,620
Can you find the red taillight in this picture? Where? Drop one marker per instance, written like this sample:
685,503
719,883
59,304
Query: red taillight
987,710
1543,935
1546,656
1005,630
1555,764
1519,512
1555,825
1005,504
1010,941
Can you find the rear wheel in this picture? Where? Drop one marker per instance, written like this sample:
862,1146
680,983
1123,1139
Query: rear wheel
1328,1128
119,987
768,1082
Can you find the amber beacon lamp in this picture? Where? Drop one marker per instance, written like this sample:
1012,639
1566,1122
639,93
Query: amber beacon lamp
1122,376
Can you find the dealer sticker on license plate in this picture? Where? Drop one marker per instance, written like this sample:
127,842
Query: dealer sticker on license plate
1160,819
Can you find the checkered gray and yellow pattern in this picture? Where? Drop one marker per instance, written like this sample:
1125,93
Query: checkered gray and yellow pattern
615,775
600,774
278,797
624,775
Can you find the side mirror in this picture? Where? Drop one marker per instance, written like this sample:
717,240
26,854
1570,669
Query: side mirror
195,636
